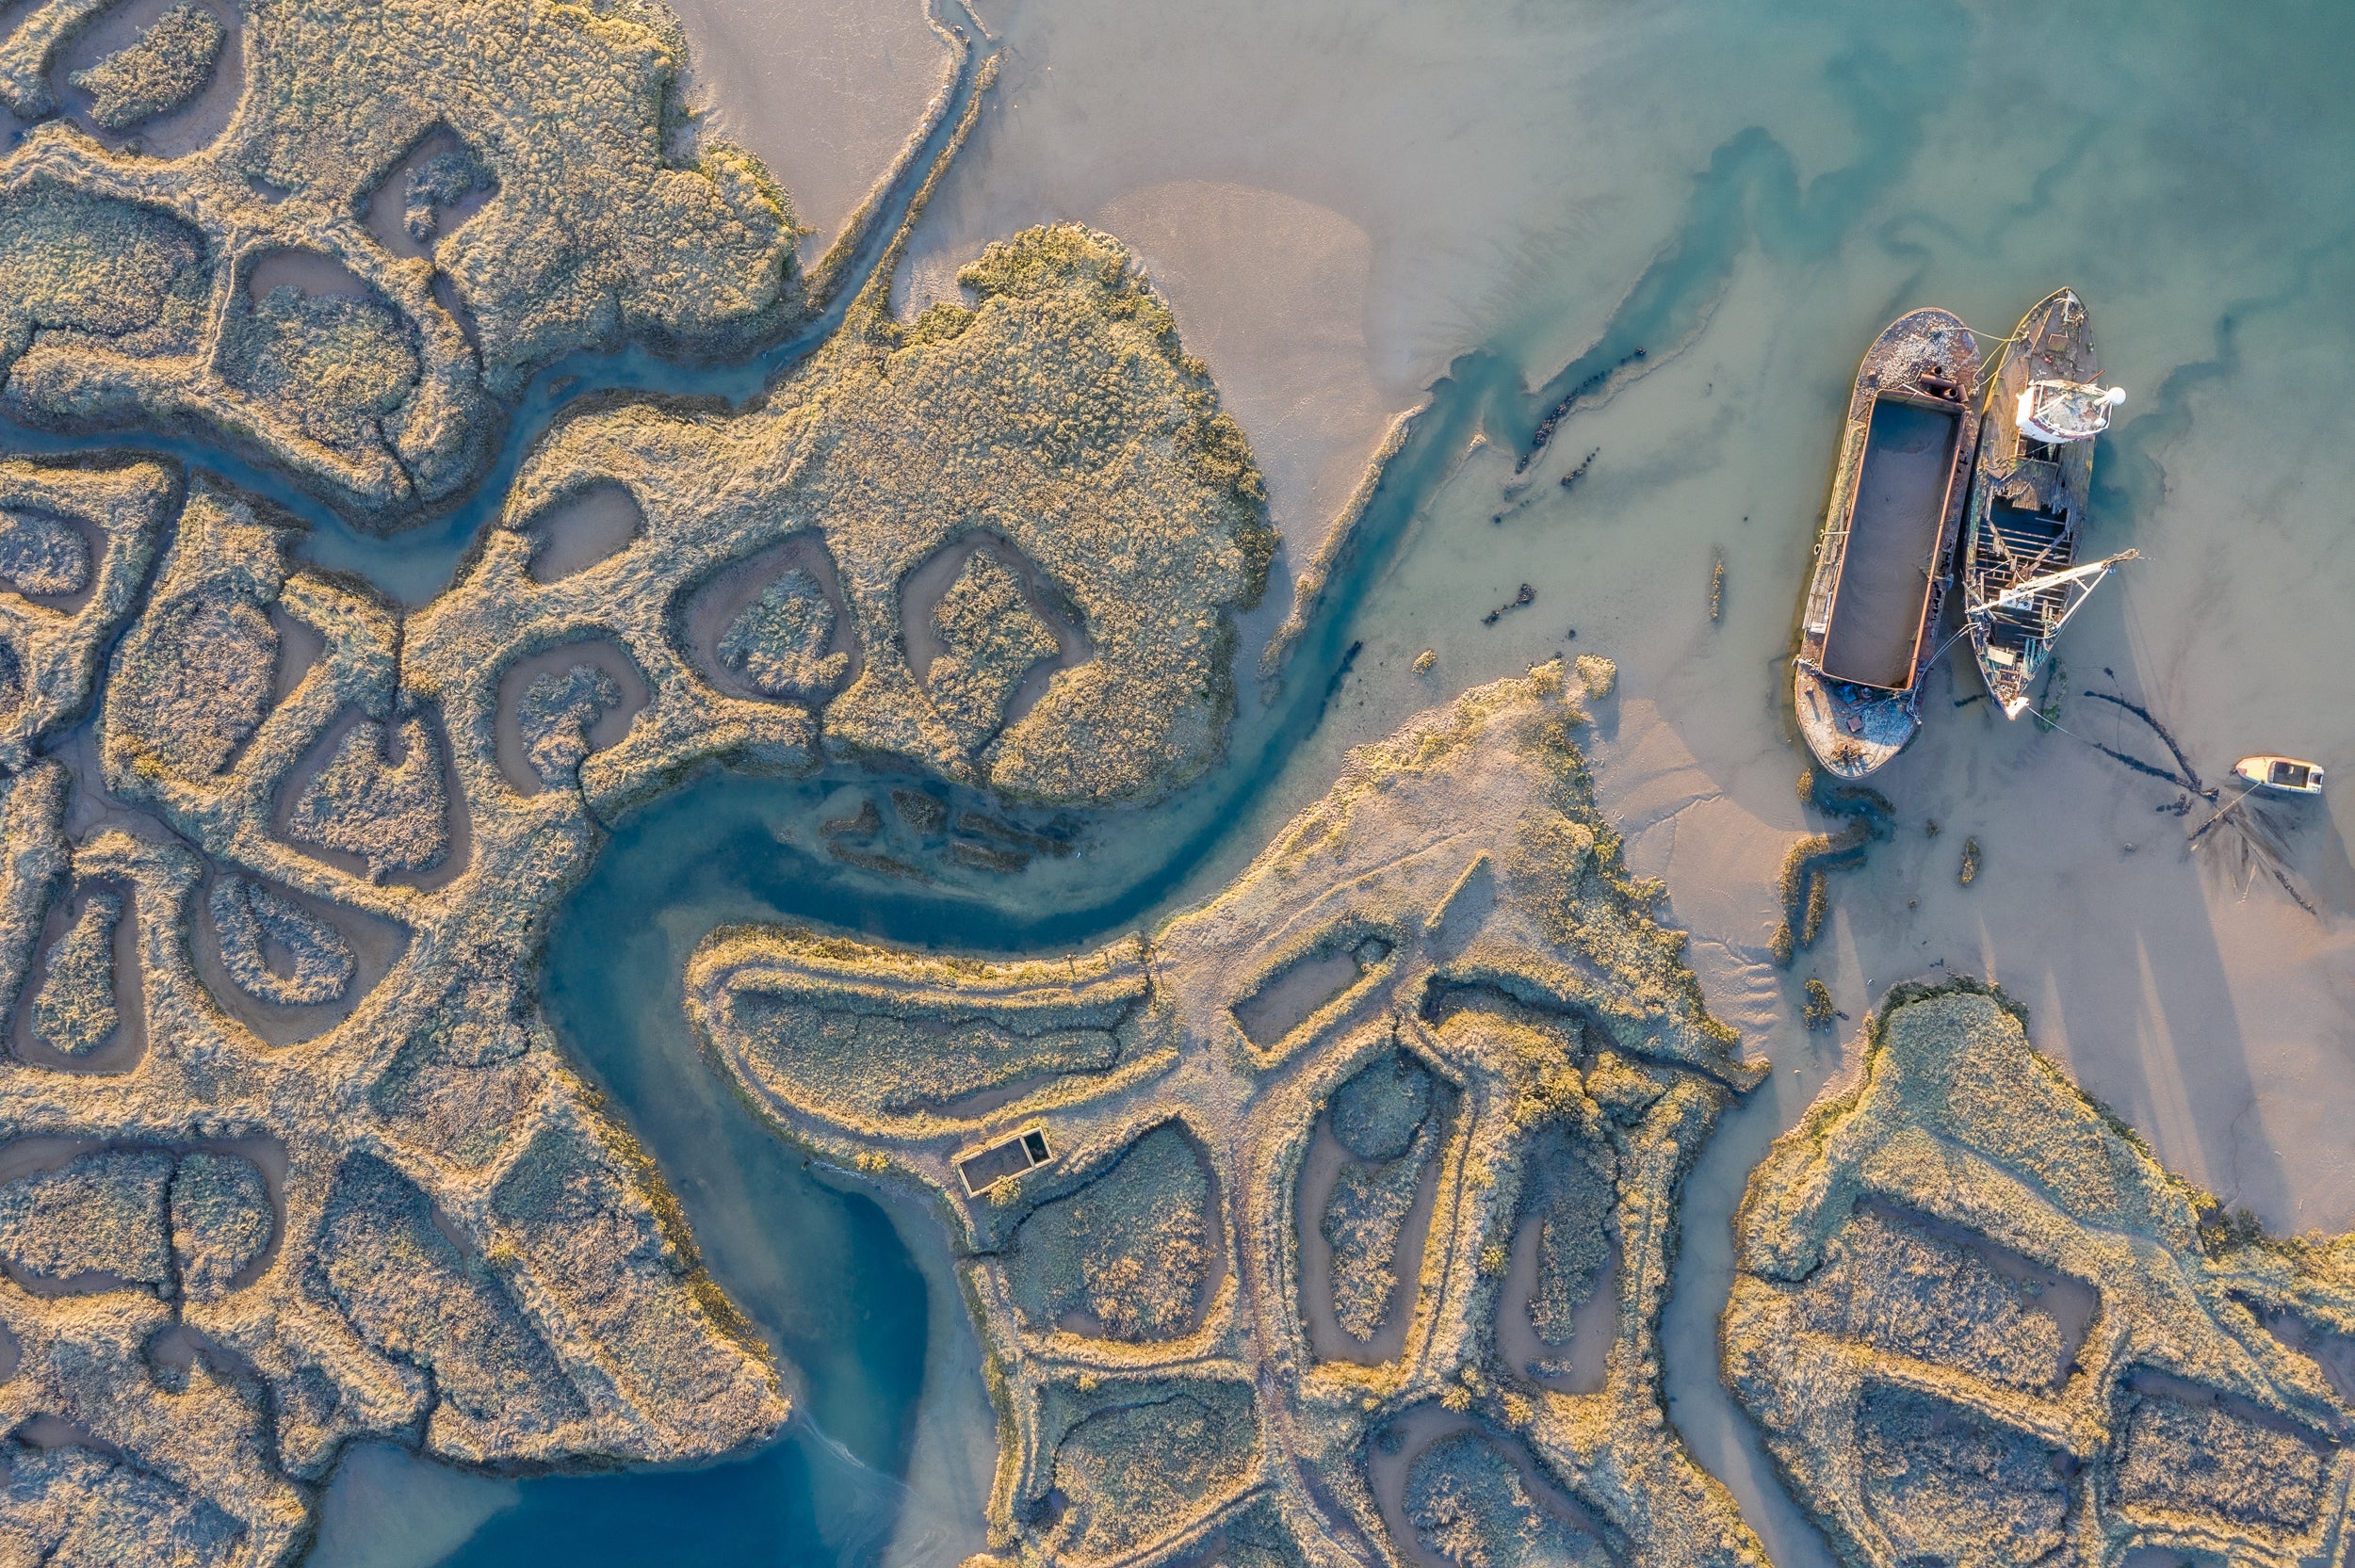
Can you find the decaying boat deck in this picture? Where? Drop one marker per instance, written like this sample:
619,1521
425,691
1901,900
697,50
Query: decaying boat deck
2026,504
1896,535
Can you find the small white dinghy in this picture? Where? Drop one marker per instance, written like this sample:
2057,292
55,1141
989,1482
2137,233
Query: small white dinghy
2282,775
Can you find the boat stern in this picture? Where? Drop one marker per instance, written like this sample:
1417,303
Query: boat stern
1853,730
2010,685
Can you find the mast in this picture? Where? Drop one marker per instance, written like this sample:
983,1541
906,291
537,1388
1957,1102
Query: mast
2086,578
2019,593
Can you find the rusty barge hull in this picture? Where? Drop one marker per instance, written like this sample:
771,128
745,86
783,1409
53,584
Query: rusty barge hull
1867,632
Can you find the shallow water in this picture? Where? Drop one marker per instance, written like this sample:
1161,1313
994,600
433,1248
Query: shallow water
1497,207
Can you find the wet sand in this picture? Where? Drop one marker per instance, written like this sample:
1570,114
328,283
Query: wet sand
825,91
388,1508
1512,179
953,1455
583,529
1271,292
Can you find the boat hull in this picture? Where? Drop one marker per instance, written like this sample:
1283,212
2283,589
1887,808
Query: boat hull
2280,775
1852,729
1866,630
2026,505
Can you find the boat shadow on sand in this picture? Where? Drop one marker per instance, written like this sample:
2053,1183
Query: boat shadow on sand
2244,833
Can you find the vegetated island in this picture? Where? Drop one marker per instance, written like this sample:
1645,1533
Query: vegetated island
1979,1323
1005,541
289,1157
1333,1219
340,236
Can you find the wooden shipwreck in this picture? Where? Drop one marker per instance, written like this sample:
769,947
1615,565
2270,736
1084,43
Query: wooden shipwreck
1866,635
2021,580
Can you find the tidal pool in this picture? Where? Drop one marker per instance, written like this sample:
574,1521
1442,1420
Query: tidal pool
1745,197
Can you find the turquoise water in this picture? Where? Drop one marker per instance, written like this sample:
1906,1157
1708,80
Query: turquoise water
1711,208
821,1271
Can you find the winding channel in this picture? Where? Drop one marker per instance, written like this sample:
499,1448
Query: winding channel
833,1279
